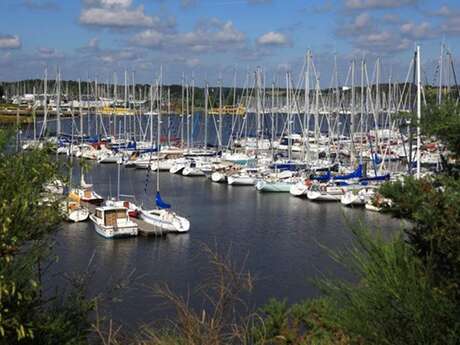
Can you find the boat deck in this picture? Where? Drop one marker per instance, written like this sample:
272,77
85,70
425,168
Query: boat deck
144,228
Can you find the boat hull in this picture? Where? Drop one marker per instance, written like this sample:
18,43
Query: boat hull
273,187
192,172
299,190
218,177
78,215
241,181
318,196
112,232
174,224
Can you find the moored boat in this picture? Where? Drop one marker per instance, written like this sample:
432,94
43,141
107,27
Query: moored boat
113,222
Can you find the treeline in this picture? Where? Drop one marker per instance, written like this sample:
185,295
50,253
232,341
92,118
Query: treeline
230,95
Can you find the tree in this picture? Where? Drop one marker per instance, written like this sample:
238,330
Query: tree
27,221
443,122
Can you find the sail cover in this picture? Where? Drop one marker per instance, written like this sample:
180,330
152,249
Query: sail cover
355,174
325,177
160,203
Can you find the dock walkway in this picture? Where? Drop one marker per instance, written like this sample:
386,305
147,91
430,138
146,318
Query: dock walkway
145,229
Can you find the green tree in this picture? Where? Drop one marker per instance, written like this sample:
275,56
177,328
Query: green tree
27,223
443,122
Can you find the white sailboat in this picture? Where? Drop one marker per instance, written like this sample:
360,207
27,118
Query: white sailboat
242,178
85,193
357,197
74,212
301,188
163,217
192,170
325,192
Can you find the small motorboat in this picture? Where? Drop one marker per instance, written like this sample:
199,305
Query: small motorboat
113,222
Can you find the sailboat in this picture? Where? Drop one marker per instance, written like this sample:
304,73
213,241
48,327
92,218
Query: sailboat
162,216
74,212
85,193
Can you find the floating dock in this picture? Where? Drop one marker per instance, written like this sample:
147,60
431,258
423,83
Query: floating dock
144,228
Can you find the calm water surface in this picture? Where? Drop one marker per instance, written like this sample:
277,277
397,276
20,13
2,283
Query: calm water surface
281,236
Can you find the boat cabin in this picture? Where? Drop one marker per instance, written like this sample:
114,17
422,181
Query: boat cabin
110,215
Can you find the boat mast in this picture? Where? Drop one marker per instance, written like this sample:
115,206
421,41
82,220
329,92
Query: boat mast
34,116
220,113
126,103
80,110
182,113
133,120
58,104
419,110
288,101
258,109
118,180
352,113
307,104
361,122
151,116
169,116
88,115
192,111
441,63
206,100
187,110
317,130
273,118
45,118
96,110
235,111
159,129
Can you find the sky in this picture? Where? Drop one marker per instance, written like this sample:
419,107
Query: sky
208,40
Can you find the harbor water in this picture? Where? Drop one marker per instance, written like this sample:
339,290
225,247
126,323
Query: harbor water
281,239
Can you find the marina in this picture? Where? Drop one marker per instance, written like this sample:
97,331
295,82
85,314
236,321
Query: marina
229,172
280,238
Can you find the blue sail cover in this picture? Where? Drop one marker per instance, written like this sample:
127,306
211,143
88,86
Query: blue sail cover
322,178
355,174
160,203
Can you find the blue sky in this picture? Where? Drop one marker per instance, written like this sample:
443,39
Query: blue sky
212,38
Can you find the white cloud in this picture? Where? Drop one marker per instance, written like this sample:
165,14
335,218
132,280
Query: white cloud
417,31
377,4
446,11
108,3
362,23
207,36
116,17
273,38
382,42
10,42
120,14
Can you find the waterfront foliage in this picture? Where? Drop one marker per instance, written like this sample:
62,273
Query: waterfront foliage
28,314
